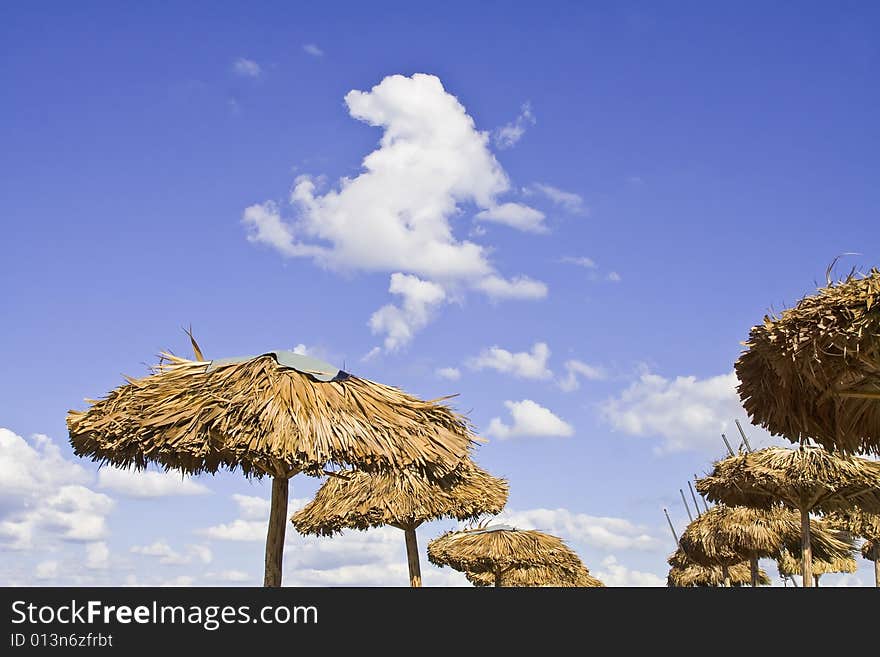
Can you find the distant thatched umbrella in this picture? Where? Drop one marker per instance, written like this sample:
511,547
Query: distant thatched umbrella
867,526
276,414
686,573
500,548
538,576
814,371
804,479
790,565
727,535
403,499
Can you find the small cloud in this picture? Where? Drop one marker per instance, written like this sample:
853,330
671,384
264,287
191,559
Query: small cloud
515,215
246,68
614,277
522,364
576,369
635,180
519,287
400,323
569,201
529,419
510,133
301,349
46,570
371,354
313,50
97,555
451,373
148,483
579,261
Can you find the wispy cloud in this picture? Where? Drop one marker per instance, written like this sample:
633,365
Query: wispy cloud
516,215
580,261
521,364
529,419
568,201
247,68
313,50
510,133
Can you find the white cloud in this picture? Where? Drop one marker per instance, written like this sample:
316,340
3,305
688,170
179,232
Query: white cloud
395,215
46,570
685,412
614,573
33,468
148,483
516,215
575,369
399,323
520,287
604,533
510,133
234,576
451,373
580,261
97,555
170,557
252,507
568,201
522,364
301,349
247,68
614,277
253,520
529,419
313,50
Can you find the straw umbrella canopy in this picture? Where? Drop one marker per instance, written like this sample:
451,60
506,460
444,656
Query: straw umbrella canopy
789,565
727,535
867,526
804,479
497,549
695,575
275,414
814,371
403,499
538,576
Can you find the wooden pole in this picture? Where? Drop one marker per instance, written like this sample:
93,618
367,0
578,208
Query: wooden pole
412,556
497,576
726,572
877,565
743,434
694,497
671,528
727,445
702,497
687,508
275,534
753,562
806,550
816,579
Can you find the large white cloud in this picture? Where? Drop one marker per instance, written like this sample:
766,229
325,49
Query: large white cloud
529,419
684,413
395,215
522,364
148,483
399,323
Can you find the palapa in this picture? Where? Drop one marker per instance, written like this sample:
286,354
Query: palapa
401,498
727,535
789,565
814,371
803,479
538,576
695,575
500,548
275,414
867,526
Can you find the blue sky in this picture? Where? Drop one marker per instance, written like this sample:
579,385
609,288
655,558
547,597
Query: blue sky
661,176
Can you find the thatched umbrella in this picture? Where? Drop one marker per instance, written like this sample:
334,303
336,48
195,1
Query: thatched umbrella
538,576
727,535
804,479
500,548
790,565
871,552
276,414
403,499
814,371
867,526
686,573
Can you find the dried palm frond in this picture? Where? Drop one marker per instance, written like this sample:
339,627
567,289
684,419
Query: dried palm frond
871,551
496,549
726,535
403,498
695,575
537,576
789,565
813,372
266,418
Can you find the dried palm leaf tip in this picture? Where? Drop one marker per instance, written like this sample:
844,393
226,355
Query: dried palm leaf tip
804,478
266,418
789,565
814,371
694,575
402,498
871,550
494,549
537,576
727,535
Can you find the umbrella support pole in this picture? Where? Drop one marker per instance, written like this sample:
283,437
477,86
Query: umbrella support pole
753,563
725,572
877,567
806,551
275,534
497,577
412,556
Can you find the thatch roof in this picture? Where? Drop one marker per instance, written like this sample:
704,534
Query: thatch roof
492,549
694,575
360,500
859,523
814,371
789,565
266,418
731,534
807,477
538,576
